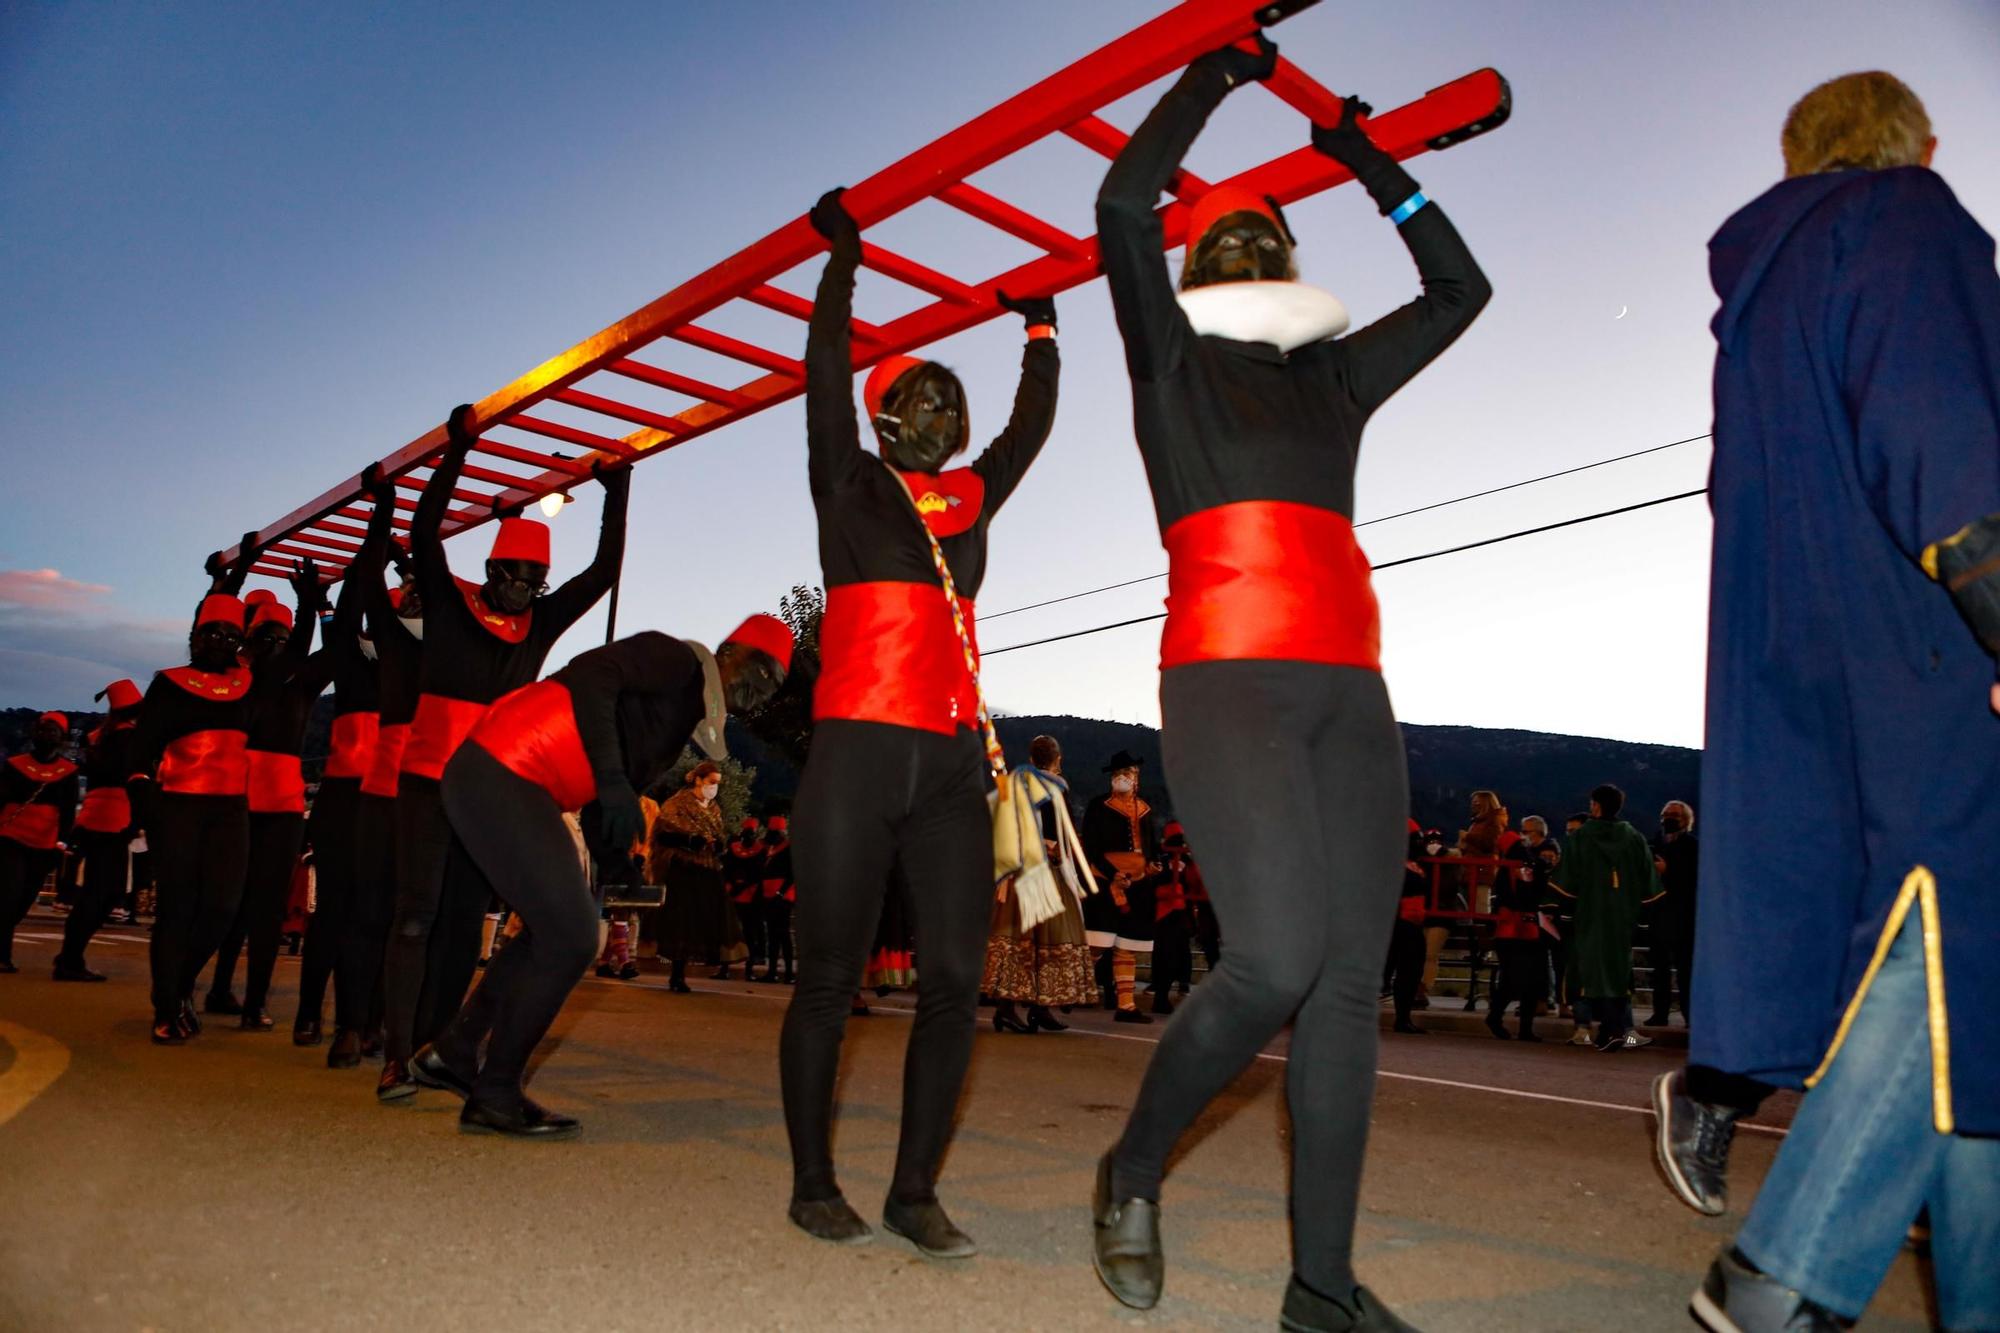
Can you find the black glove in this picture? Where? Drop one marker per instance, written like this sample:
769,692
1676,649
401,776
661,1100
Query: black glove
829,217
213,566
1348,144
306,585
1240,66
615,478
377,486
458,428
619,819
1033,309
246,549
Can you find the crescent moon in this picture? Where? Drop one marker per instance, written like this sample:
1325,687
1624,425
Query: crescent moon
1621,312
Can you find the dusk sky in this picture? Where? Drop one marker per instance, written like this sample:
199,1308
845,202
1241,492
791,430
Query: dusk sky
247,248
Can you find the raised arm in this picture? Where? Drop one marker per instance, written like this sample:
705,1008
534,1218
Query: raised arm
309,595
565,606
426,546
1386,355
1014,449
362,583
1130,241
833,434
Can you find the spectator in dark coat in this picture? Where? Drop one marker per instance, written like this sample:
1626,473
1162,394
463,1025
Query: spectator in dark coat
1670,918
1520,891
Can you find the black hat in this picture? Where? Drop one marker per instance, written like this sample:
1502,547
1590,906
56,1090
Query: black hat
1123,759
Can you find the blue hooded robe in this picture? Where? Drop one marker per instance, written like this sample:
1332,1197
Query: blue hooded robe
1857,421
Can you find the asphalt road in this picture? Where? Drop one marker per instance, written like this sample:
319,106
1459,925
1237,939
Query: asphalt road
237,1183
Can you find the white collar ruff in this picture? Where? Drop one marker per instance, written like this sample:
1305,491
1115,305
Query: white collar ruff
1288,315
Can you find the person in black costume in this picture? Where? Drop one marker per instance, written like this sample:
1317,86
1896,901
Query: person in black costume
480,641
588,739
743,876
38,792
189,791
103,829
894,782
1406,937
1284,758
777,894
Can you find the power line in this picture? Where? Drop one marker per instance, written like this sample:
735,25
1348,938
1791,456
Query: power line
1420,509
1390,564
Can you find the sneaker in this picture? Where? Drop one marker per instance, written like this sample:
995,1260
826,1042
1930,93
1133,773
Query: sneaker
1735,1298
1581,1037
1610,1047
1635,1039
1692,1141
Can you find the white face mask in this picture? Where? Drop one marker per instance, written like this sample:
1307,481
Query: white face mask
709,790
1123,786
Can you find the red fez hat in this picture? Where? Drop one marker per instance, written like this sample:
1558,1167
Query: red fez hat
270,611
1173,830
121,694
1218,204
887,371
57,718
256,597
778,824
521,539
749,822
220,608
767,634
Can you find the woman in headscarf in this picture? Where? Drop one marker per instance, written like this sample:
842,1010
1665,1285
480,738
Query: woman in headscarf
688,840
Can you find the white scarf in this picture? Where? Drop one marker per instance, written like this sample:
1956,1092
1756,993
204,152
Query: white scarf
1288,315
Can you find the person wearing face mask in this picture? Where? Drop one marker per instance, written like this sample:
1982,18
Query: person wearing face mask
687,857
189,790
1520,893
1284,757
896,777
103,829
1670,919
1122,842
38,791
480,641
587,739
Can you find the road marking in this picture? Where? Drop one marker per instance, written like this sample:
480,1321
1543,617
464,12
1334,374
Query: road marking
38,1062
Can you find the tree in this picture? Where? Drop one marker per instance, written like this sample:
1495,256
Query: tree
785,724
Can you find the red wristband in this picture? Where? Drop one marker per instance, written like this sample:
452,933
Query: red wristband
1041,331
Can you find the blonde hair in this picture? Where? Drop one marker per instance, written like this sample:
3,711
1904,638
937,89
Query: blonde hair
1870,120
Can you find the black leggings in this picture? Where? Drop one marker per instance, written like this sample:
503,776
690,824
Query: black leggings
200,847
774,920
515,832
275,840
22,870
334,857
357,976
441,900
1523,979
1406,961
1290,779
750,920
106,861
881,803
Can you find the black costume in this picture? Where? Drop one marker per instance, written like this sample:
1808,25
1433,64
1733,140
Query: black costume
1285,761
102,836
778,893
472,655
1670,923
609,721
37,802
895,781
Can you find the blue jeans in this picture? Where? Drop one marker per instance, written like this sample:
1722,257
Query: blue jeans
1863,1158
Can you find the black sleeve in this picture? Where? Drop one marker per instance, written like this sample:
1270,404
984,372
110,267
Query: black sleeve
647,664
833,433
434,581
1130,240
149,740
565,606
64,798
1013,450
1386,355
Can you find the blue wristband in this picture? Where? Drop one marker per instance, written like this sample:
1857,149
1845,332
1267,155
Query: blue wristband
1408,208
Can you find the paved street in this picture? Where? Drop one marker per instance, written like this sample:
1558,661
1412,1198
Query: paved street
239,1184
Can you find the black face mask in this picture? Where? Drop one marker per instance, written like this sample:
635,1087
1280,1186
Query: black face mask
46,740
1241,247
512,585
923,421
267,643
214,647
749,678
1673,824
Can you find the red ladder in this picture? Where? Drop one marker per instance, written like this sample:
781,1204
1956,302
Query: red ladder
593,379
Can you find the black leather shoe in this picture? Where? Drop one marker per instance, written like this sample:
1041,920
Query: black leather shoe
1131,1016
629,972
1040,1017
395,1083
371,1045
7,968
256,1019
306,1032
527,1121
1162,1005
345,1053
1004,1021
1691,1140
680,988
190,1025
1126,1244
830,1220
1412,1030
1498,1029
1306,1311
75,972
1735,1298
429,1068
925,1226
606,971
221,1002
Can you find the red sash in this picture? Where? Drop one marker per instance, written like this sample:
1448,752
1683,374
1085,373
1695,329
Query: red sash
206,763
277,786
353,747
1268,579
532,732
889,653
441,726
220,686
105,810
507,629
31,825
386,764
